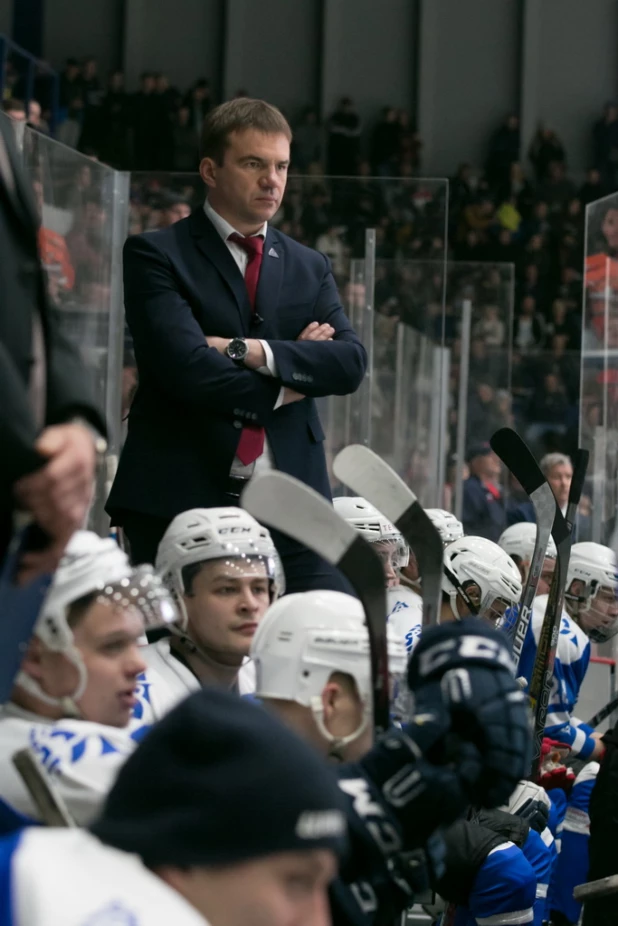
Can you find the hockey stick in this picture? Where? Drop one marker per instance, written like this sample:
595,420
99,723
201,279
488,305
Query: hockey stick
506,443
291,507
601,888
50,804
542,674
604,713
19,604
368,475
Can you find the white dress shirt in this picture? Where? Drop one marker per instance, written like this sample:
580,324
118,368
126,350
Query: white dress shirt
224,229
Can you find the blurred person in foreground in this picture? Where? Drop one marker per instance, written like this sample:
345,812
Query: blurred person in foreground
174,846
50,427
237,329
483,504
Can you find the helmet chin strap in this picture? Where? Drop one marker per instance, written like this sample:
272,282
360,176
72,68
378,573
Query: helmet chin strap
67,703
459,590
337,742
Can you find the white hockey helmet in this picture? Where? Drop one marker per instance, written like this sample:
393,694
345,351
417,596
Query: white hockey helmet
519,539
447,525
372,525
594,565
92,565
475,559
202,534
303,638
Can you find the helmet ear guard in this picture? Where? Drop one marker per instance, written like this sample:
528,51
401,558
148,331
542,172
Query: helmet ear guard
466,593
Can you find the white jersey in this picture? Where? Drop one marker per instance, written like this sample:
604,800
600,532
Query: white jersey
405,614
66,877
168,681
82,759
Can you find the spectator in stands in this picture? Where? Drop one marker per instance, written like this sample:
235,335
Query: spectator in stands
548,408
173,209
185,141
386,144
411,146
14,109
557,189
558,470
316,215
605,140
546,149
528,328
490,328
504,148
87,241
71,100
35,117
331,244
593,188
462,188
116,117
562,323
484,417
518,186
508,214
344,131
483,513
199,101
308,143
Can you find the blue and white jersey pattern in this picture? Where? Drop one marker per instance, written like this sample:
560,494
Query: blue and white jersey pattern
504,891
405,614
82,758
572,658
66,877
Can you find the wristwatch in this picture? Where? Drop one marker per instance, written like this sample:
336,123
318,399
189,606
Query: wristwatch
237,350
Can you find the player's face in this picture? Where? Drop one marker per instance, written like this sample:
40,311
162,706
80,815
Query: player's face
602,614
228,600
107,640
248,187
286,889
388,553
559,478
546,576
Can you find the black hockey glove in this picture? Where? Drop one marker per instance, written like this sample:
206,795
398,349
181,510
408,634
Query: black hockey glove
464,670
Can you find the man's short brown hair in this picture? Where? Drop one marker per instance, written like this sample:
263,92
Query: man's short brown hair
235,116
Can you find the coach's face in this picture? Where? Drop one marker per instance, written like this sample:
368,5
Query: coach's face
247,188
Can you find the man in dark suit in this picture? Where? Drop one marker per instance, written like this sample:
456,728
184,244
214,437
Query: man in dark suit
237,330
49,425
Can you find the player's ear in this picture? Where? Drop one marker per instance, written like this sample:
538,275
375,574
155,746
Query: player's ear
330,700
32,663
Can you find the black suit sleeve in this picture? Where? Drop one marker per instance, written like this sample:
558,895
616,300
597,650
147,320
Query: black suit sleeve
321,368
170,347
17,428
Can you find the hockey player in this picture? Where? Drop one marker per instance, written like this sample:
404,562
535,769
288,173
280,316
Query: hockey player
592,605
404,604
312,668
77,686
518,542
222,568
447,525
221,817
478,579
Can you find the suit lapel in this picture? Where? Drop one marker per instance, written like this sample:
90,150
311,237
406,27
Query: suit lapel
269,283
215,250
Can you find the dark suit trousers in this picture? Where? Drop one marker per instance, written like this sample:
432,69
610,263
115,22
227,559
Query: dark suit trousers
304,570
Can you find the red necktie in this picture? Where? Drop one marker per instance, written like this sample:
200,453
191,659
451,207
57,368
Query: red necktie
251,443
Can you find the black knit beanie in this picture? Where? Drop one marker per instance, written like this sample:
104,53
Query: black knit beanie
220,780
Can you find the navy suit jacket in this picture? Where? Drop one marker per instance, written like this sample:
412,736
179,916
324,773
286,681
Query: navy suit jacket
181,283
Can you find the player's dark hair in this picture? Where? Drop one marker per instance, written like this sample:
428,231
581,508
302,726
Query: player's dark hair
77,610
235,116
188,574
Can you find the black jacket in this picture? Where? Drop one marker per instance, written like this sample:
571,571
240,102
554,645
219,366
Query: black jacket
22,293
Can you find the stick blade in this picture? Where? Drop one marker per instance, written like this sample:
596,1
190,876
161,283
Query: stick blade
290,506
518,458
368,475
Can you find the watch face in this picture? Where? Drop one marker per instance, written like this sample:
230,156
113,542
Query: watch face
237,349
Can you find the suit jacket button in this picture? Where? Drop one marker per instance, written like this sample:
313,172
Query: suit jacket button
237,424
